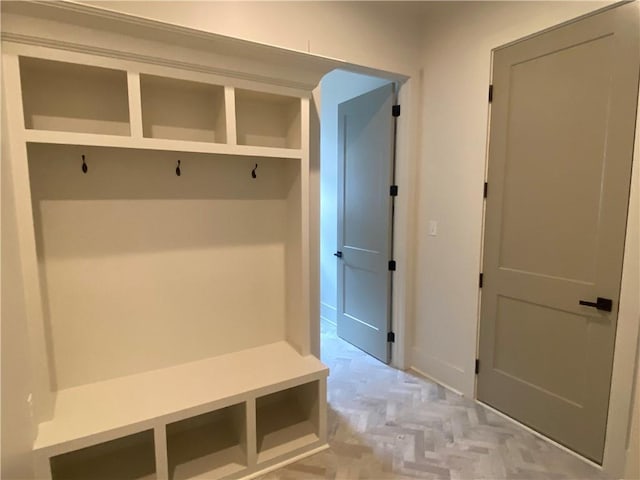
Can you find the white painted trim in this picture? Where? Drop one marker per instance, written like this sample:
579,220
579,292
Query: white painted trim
322,411
230,115
252,444
135,104
44,380
438,369
122,141
412,131
626,354
539,435
309,311
67,7
162,457
286,462
403,230
143,64
104,52
328,313
436,381
314,220
42,467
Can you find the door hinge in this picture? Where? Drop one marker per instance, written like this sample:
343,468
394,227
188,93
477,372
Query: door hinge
395,110
393,190
391,337
486,189
481,278
490,93
392,265
477,366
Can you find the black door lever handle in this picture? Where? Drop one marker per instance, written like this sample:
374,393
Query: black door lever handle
338,254
604,304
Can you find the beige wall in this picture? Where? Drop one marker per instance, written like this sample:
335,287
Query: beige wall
632,466
383,37
456,71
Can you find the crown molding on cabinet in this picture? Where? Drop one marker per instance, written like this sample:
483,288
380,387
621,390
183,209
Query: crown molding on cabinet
80,28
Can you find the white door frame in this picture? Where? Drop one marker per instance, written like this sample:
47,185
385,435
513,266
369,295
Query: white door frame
626,345
403,227
628,330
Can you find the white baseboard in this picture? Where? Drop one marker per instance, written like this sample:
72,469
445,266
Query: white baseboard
328,312
441,372
435,380
286,462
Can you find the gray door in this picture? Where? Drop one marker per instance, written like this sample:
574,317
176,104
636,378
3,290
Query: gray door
365,162
560,153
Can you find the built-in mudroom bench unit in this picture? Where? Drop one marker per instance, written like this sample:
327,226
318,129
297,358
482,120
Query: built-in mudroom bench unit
163,217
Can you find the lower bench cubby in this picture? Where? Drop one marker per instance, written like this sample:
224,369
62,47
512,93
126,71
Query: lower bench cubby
255,429
127,458
287,420
212,445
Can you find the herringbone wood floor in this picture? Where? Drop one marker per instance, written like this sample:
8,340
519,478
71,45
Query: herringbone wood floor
389,424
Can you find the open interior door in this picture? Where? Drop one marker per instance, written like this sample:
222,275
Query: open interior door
365,229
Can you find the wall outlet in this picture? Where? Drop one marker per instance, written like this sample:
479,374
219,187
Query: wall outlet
433,228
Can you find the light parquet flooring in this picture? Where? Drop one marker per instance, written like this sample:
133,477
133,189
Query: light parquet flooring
389,424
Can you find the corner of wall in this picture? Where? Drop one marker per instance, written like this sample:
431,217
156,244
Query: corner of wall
18,429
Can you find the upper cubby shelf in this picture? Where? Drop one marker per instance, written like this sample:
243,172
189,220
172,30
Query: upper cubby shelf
95,140
74,104
70,97
182,110
268,120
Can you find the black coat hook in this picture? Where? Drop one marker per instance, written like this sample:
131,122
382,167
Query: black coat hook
178,172
253,172
84,165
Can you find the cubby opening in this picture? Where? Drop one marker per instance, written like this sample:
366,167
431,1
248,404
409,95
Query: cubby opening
77,98
182,110
127,458
267,120
213,445
287,420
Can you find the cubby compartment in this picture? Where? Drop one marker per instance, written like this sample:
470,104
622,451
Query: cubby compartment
287,420
127,458
267,120
182,110
70,97
212,445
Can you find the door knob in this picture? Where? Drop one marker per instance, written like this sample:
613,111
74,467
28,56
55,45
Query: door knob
338,254
604,304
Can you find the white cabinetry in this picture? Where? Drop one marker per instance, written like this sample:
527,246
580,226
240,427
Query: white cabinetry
168,313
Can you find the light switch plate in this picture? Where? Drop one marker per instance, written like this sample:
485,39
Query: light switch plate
433,228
